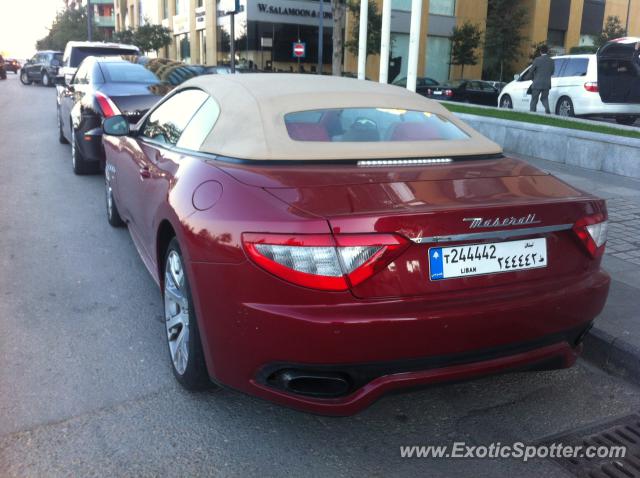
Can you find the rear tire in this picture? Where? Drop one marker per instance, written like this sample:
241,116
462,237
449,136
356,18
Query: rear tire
24,78
181,325
565,107
626,120
506,102
80,165
113,216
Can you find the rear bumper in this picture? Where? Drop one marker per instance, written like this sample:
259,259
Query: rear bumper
266,325
591,105
90,144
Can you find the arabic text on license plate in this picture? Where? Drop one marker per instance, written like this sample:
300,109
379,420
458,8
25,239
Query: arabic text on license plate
478,259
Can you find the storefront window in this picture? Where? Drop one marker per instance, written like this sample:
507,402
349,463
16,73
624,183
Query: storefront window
442,7
402,5
165,8
438,58
400,53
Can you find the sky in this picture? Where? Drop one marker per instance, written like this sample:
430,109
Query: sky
22,22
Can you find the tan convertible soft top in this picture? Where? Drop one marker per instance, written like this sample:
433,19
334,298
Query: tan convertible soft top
251,123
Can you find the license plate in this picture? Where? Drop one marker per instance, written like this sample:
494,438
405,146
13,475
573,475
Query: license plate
480,259
437,92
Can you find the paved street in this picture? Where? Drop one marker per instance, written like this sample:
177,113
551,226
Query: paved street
86,388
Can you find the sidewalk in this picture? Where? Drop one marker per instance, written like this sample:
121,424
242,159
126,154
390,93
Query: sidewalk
614,342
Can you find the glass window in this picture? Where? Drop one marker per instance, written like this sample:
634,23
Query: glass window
80,53
403,5
82,75
167,122
559,64
200,126
369,125
442,7
576,67
125,72
438,58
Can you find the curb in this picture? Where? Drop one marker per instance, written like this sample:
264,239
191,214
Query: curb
595,151
612,354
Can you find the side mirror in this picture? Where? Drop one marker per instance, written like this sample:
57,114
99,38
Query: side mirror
516,77
116,126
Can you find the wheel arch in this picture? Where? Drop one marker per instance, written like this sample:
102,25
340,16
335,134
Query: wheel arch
166,232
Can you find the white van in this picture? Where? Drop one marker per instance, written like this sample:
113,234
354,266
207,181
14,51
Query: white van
574,91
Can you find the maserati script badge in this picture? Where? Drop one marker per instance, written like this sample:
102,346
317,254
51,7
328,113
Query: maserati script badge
478,222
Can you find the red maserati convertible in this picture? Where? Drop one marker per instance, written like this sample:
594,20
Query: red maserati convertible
321,241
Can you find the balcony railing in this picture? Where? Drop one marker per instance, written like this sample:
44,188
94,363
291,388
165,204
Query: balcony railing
104,21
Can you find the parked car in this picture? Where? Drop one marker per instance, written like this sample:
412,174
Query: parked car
42,68
498,85
320,241
11,64
422,84
76,51
104,87
465,91
574,91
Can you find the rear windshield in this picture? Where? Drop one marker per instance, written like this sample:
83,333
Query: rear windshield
370,125
80,53
125,72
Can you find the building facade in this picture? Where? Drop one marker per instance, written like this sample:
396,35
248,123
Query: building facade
103,15
265,31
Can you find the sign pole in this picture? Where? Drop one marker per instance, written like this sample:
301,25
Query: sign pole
320,37
414,44
385,40
89,21
232,41
362,39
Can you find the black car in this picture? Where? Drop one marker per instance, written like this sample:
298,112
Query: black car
422,84
43,68
104,87
11,64
466,91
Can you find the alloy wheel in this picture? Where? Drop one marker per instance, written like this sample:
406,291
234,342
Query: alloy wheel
565,108
73,148
506,102
176,312
109,194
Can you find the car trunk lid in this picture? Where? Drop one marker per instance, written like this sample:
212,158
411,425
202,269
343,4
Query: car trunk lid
476,204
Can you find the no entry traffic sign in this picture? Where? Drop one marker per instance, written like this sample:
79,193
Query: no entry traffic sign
299,49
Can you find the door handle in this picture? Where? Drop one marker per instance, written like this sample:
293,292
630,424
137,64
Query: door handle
144,172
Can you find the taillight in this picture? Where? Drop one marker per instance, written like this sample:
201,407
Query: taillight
107,106
448,93
591,86
323,261
592,232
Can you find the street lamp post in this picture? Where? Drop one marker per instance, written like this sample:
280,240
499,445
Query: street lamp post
89,21
320,37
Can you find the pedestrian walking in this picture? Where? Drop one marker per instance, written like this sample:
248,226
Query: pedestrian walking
542,70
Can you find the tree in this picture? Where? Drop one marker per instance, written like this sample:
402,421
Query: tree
338,8
503,38
125,36
147,37
150,37
69,24
465,42
535,50
374,28
612,29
